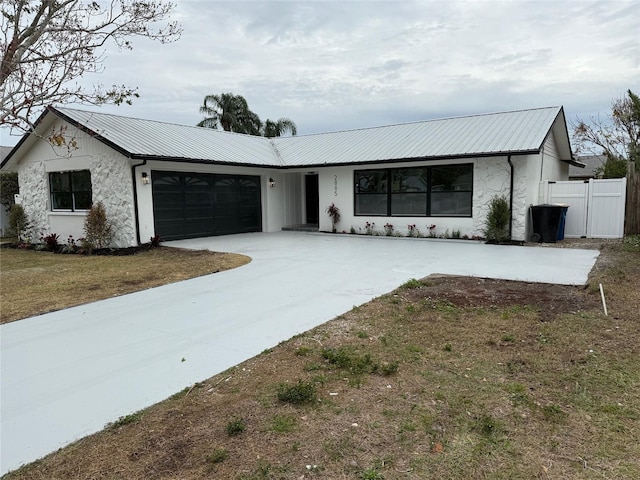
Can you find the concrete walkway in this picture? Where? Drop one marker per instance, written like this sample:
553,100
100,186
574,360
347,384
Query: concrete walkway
68,373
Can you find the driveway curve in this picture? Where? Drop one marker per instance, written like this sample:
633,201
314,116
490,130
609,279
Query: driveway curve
66,374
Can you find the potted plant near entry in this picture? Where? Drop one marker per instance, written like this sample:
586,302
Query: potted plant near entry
334,213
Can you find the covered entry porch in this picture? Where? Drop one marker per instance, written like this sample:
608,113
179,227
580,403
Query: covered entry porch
301,202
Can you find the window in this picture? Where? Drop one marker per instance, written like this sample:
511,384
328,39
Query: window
444,190
70,190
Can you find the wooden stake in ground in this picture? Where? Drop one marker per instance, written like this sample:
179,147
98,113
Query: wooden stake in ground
604,302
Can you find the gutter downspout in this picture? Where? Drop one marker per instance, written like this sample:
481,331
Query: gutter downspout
135,199
510,197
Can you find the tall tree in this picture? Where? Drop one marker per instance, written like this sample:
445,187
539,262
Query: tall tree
47,44
231,112
618,137
278,128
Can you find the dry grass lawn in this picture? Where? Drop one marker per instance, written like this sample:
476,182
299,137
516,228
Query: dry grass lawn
35,282
446,377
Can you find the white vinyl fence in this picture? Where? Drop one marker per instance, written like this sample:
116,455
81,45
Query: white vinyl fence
596,207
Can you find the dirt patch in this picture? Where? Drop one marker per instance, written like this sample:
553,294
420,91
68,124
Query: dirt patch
548,300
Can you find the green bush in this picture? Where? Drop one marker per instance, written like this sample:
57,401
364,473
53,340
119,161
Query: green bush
497,222
219,455
235,427
8,189
412,283
298,393
98,230
18,222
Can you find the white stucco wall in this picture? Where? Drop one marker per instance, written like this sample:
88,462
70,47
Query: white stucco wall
553,169
110,180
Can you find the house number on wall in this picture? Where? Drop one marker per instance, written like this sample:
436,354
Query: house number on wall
335,185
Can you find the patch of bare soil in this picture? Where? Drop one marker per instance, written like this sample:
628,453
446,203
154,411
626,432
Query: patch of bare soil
549,300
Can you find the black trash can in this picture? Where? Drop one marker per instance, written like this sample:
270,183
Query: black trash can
563,220
546,222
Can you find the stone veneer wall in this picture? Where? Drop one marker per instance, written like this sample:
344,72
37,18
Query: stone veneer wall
520,208
33,178
490,178
111,184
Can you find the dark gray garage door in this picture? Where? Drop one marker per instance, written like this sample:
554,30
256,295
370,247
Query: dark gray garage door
189,205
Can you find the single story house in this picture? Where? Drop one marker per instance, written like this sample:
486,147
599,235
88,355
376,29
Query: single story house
180,181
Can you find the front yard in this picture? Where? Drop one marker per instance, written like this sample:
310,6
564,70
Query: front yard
34,282
448,377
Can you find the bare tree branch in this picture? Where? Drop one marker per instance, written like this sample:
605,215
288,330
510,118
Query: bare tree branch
47,44
617,137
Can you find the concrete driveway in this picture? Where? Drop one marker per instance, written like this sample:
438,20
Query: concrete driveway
68,373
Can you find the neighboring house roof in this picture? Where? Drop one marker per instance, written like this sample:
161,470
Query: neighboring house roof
4,152
506,133
591,162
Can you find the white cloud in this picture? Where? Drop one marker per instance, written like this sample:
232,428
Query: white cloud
350,64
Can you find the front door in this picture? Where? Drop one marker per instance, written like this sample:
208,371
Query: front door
311,197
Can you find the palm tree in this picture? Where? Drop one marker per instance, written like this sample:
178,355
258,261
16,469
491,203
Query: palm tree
279,128
231,112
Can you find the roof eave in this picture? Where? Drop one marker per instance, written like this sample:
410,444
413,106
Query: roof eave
419,159
575,163
206,161
91,132
24,138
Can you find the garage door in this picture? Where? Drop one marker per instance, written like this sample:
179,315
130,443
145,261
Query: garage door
189,205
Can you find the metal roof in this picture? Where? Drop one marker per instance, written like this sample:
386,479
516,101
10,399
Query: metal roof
147,138
515,132
480,135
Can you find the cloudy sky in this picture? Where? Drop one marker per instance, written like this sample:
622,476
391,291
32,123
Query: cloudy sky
334,65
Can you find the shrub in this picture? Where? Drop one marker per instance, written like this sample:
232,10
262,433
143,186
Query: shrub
334,213
51,241
297,394
412,283
497,222
8,189
98,230
155,241
18,222
219,455
369,228
235,427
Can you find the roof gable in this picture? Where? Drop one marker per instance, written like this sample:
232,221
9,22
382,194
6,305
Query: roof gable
506,133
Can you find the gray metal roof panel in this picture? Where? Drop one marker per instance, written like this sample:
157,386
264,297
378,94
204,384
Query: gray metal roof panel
477,135
518,131
148,138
